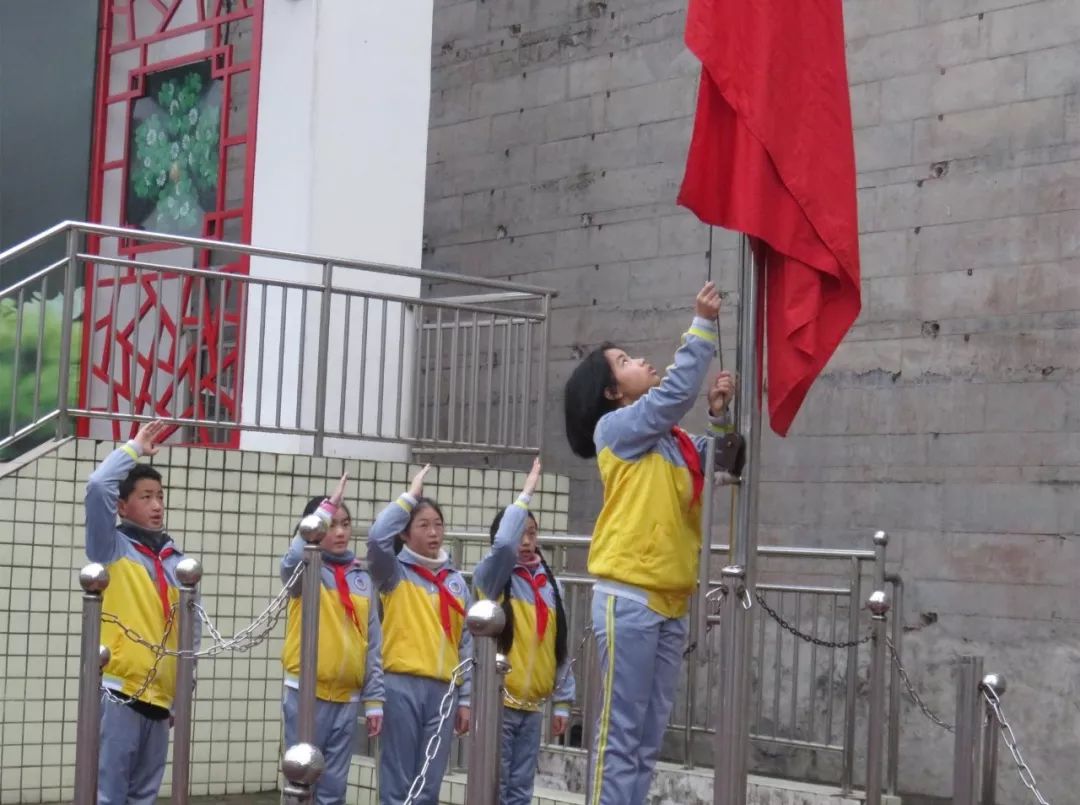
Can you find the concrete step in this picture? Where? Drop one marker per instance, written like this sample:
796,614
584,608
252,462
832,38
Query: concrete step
562,772
673,785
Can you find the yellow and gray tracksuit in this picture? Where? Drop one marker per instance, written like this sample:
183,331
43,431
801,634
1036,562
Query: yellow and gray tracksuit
349,665
533,673
644,554
424,639
142,591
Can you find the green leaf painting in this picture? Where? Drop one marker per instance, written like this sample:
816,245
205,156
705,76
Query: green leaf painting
174,159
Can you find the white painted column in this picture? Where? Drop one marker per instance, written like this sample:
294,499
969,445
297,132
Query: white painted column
339,170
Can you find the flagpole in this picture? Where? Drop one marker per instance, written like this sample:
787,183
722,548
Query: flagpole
739,577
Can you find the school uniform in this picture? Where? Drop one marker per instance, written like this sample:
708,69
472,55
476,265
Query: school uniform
424,638
142,592
349,672
534,675
644,555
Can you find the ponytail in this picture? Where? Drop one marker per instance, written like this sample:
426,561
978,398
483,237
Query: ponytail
560,614
506,639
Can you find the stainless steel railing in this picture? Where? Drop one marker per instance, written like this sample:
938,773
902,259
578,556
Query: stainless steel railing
212,337
809,642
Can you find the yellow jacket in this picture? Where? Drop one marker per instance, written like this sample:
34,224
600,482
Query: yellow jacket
647,538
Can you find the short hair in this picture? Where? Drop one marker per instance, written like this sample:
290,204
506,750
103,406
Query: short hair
140,472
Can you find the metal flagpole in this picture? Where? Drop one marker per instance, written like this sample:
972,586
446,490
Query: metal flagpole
732,724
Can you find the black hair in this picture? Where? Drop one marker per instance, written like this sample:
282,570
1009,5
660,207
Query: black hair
315,502
140,472
506,639
586,399
420,504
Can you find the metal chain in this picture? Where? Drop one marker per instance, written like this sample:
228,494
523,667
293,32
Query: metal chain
258,630
435,741
817,641
1027,777
522,704
159,650
246,639
912,693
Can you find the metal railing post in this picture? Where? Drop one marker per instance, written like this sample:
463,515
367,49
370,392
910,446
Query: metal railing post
302,766
996,684
881,542
847,772
322,357
878,605
485,621
63,391
93,578
541,400
729,781
312,530
892,774
968,715
189,574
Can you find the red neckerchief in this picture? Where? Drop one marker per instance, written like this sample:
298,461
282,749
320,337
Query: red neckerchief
344,595
447,600
159,570
536,583
693,461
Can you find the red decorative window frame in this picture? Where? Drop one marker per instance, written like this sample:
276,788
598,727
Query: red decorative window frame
131,35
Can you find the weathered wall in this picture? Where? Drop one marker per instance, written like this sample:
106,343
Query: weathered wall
950,415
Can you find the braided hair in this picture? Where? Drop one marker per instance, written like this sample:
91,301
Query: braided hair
506,639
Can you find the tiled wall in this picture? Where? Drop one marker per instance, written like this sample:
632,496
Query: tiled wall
235,512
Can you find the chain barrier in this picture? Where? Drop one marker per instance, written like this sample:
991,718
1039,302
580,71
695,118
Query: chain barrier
258,630
817,641
1027,777
913,694
160,651
246,639
435,741
537,704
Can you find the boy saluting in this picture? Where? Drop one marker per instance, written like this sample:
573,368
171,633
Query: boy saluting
142,593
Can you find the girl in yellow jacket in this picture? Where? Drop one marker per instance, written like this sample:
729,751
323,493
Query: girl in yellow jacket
349,665
645,544
424,604
534,641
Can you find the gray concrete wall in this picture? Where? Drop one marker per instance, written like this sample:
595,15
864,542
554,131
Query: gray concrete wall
950,415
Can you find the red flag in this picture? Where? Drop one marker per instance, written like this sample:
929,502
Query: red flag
772,156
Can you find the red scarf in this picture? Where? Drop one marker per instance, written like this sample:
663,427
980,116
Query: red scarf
447,600
536,582
344,595
159,571
693,461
